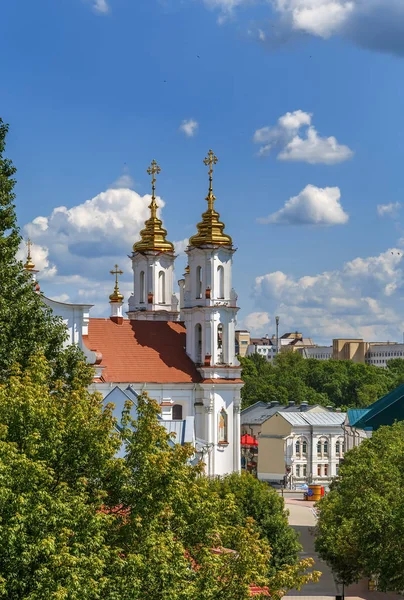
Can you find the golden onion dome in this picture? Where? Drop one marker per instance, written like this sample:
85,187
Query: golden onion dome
153,236
210,229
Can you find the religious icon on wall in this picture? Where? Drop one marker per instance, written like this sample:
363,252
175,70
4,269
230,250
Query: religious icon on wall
222,429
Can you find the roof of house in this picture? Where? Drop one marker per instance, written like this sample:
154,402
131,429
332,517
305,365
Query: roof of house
372,415
141,351
258,413
314,418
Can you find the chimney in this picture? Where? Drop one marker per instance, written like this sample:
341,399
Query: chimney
338,409
291,403
330,408
304,406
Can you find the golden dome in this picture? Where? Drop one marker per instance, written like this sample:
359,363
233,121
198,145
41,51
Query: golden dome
210,229
29,265
116,295
153,236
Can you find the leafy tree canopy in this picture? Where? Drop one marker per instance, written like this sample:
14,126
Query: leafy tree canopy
337,383
26,324
360,531
78,522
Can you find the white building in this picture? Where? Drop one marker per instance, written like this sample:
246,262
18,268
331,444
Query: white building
318,352
182,352
380,354
303,447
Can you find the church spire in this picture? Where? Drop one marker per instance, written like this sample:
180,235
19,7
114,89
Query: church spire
153,236
29,265
210,230
116,296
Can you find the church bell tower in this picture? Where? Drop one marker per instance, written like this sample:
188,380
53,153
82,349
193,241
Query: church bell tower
153,268
207,297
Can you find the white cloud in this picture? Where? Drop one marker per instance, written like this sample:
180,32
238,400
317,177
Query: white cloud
362,299
180,246
101,7
296,139
189,127
313,206
124,181
390,210
374,24
257,322
75,248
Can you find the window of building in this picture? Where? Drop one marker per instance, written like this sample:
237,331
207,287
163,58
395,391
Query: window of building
198,282
304,468
325,448
297,470
319,448
162,287
298,447
220,281
304,447
325,470
142,290
198,343
177,412
319,470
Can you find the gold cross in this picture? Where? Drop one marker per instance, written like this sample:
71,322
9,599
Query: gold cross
209,161
153,170
116,273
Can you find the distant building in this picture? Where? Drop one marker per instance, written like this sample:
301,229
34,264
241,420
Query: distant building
361,422
265,346
356,350
301,447
242,341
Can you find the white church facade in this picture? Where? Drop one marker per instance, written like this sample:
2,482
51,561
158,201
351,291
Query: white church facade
180,348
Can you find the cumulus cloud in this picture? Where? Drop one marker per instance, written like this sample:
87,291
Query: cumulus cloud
296,139
101,7
374,24
390,210
75,248
313,206
362,299
181,245
189,127
257,322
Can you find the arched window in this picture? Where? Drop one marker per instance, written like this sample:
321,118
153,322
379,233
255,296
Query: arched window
301,447
322,447
162,287
325,448
220,281
304,447
337,447
199,275
220,343
177,412
298,447
198,343
142,287
319,448
222,427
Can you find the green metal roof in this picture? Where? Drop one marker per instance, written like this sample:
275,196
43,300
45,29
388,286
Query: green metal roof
355,414
372,414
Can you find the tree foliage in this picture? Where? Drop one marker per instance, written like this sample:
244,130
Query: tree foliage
26,324
338,383
360,531
78,522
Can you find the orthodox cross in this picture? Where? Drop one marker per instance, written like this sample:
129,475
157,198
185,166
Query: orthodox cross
116,273
209,161
29,246
153,170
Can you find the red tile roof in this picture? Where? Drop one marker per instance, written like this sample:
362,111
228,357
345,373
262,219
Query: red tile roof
141,351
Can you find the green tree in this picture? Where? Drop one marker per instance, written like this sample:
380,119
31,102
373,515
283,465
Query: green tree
360,530
78,522
255,499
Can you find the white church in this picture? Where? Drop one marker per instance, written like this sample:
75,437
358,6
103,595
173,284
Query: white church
180,348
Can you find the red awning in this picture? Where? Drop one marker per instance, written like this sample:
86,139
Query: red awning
248,440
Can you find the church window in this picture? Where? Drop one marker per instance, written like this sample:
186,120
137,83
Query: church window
177,412
220,282
222,428
199,282
162,287
198,343
142,287
220,343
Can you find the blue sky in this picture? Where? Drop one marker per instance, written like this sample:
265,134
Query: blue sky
93,90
